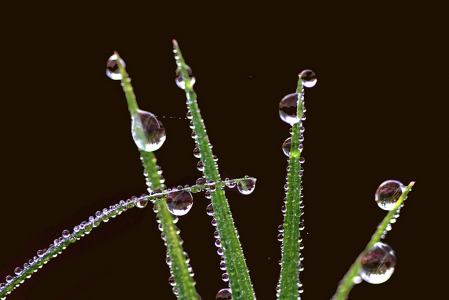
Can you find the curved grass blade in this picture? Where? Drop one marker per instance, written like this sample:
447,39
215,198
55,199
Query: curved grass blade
347,282
237,270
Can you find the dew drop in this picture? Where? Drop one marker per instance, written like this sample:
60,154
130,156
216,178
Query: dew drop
171,280
225,277
9,278
286,146
196,152
142,202
288,109
200,166
302,160
246,187
378,264
147,131
65,234
112,69
388,194
179,203
210,210
201,181
180,82
224,294
222,265
308,78
18,271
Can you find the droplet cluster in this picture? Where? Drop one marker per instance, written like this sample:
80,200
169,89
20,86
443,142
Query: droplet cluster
61,243
289,113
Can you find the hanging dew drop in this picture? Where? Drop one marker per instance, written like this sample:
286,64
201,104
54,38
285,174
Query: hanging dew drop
247,186
378,264
112,69
286,146
224,294
388,194
308,77
179,203
288,109
147,131
180,82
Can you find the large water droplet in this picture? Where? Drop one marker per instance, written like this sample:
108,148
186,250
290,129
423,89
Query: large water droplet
148,132
246,187
180,82
286,146
288,109
388,194
179,203
224,294
112,69
378,264
308,78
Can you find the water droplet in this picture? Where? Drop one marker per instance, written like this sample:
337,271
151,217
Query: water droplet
308,78
357,279
246,187
142,202
180,82
224,294
18,271
196,152
201,181
147,131
222,265
286,146
288,109
112,69
388,194
171,280
302,160
225,277
179,203
220,251
378,264
210,210
200,166
231,184
9,278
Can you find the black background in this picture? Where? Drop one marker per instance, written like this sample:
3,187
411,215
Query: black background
377,112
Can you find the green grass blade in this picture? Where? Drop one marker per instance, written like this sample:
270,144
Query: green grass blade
347,282
237,270
290,262
184,283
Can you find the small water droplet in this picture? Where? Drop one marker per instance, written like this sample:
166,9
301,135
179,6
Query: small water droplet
246,187
308,77
18,271
207,194
220,251
201,181
171,280
9,278
196,152
224,294
147,131
180,82
357,279
302,160
288,109
225,277
65,234
378,264
179,203
112,69
388,194
200,166
222,265
142,202
210,210
286,146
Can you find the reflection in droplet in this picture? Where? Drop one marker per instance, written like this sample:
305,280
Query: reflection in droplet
246,187
308,78
147,131
179,203
286,146
388,194
112,69
224,294
288,109
378,264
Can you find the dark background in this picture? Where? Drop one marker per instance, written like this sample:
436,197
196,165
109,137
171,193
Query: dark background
378,112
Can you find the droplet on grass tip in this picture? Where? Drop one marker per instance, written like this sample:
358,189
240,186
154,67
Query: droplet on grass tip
246,187
288,109
388,194
147,131
179,203
308,77
112,69
378,264
224,294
